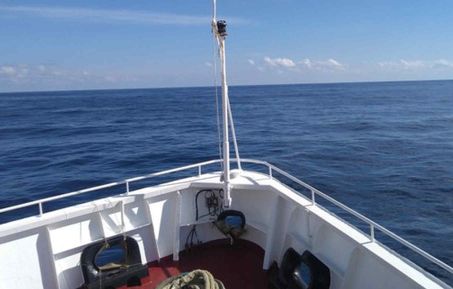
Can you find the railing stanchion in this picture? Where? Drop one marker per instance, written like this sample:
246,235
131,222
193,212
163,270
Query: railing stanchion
199,170
313,197
40,210
270,172
372,232
127,187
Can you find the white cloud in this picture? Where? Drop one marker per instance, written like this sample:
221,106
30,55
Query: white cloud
413,65
442,63
307,62
26,73
7,70
334,63
251,61
279,62
388,64
24,76
113,15
329,64
13,71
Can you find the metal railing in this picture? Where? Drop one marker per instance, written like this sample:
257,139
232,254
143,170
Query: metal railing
270,171
126,182
372,224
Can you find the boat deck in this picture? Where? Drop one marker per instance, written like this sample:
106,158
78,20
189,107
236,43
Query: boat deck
237,266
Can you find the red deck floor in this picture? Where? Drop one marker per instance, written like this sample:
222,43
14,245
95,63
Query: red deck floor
238,266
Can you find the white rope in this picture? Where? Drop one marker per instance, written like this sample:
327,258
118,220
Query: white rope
233,132
214,61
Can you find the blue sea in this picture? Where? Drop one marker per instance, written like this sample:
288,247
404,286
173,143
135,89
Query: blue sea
384,149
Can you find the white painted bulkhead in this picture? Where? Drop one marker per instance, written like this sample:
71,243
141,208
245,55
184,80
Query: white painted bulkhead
43,252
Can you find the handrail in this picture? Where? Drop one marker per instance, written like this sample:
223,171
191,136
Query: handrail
40,202
373,225
314,192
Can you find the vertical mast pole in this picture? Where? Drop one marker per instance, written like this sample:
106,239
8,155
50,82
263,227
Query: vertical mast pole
219,29
226,141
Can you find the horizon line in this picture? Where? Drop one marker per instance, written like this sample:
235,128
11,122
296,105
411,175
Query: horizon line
234,85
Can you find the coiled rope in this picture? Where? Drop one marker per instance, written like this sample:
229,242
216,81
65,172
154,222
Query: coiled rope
197,279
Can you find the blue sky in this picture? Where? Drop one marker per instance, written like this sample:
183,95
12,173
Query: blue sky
53,45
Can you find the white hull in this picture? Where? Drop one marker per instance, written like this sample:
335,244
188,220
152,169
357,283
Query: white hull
44,251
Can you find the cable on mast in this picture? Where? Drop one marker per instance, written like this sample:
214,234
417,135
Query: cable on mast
214,61
233,132
219,30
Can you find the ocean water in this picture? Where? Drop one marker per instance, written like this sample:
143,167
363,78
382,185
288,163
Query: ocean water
384,149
